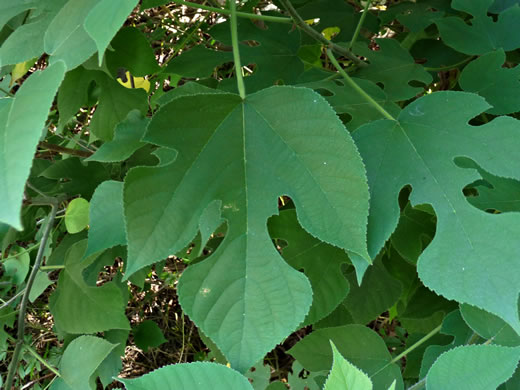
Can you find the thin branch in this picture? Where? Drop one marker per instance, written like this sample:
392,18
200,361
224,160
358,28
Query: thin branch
319,37
360,90
12,95
360,23
13,367
63,150
266,18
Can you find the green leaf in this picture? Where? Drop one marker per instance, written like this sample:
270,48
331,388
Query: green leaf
196,376
81,308
41,282
66,38
9,9
336,13
498,85
105,19
132,51
198,62
453,325
378,292
112,365
76,216
415,16
344,375
358,344
127,139
272,143
473,367
17,267
107,225
483,34
20,131
115,102
488,326
80,361
26,42
321,263
422,146
394,67
300,378
345,100
259,375
83,178
148,335
276,57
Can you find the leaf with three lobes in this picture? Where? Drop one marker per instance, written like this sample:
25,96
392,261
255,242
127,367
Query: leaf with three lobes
473,367
81,308
471,248
20,131
193,376
483,34
242,155
321,262
80,361
499,85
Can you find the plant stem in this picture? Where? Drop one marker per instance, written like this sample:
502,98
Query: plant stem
63,150
448,67
318,36
352,83
53,202
41,360
360,23
409,349
276,19
236,51
10,94
22,252
415,345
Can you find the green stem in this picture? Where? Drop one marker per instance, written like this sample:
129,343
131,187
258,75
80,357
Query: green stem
448,67
409,349
51,267
13,367
276,19
236,51
352,83
10,94
41,360
360,23
22,252
318,36
417,344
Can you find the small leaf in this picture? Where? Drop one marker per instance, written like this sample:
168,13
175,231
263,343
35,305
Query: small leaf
193,376
76,216
346,376
17,267
80,361
20,70
473,367
148,335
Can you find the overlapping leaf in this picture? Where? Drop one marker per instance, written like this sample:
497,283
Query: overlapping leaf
483,34
20,131
242,155
421,146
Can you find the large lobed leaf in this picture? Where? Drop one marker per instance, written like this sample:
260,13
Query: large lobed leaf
239,156
471,248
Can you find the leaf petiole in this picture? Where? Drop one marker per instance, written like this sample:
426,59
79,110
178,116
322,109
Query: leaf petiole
236,50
